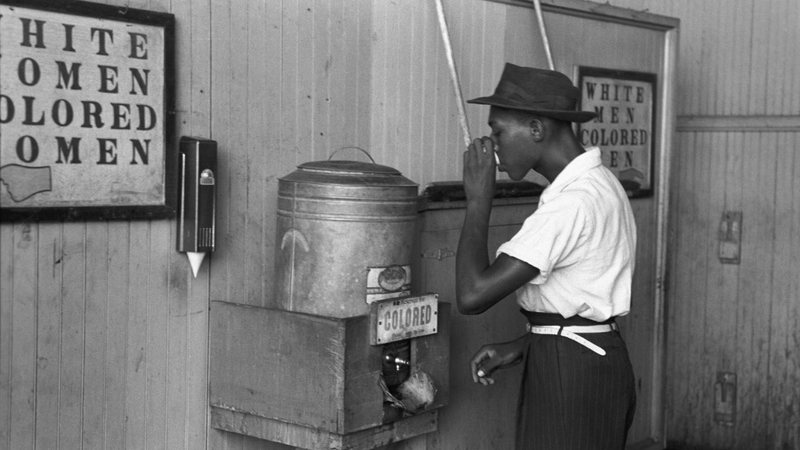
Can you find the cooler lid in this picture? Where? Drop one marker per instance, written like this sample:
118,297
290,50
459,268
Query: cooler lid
348,173
345,167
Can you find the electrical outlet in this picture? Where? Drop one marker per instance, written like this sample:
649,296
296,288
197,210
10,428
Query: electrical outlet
730,237
725,398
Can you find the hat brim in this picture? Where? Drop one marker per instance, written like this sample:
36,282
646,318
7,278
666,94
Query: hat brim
569,116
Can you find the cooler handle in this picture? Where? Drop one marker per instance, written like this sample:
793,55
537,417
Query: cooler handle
354,147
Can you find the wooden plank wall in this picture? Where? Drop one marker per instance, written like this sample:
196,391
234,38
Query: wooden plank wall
415,124
103,331
737,149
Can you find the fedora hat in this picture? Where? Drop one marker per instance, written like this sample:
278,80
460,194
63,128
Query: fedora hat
544,92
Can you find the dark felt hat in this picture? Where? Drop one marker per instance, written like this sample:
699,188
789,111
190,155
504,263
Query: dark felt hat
544,92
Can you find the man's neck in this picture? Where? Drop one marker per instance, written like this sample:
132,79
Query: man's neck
561,150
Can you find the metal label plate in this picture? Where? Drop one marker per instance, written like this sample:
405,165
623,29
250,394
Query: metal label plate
388,282
406,318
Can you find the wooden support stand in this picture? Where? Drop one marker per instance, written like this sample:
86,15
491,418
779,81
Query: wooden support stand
312,381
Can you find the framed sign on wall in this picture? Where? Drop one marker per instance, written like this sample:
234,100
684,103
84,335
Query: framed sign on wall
86,109
625,125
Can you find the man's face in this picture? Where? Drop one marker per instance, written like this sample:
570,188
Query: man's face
513,141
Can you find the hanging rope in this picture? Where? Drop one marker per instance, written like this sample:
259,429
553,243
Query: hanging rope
538,7
453,73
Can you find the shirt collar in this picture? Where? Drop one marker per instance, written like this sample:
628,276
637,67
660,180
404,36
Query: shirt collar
578,166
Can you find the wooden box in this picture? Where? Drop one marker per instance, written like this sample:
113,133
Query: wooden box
312,381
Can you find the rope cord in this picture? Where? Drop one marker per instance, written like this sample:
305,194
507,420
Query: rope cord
453,73
538,7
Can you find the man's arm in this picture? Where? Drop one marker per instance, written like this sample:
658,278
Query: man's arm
479,284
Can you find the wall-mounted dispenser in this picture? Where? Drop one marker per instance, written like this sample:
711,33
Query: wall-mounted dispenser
197,165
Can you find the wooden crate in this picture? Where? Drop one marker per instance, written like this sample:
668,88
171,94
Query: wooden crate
312,381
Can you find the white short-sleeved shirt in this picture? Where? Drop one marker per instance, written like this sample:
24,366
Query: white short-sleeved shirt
582,238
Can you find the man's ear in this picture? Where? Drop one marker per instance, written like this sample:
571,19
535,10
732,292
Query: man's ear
537,129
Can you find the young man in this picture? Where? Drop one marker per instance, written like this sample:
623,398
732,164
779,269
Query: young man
570,264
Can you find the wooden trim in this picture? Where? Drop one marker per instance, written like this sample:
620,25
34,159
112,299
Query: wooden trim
602,12
738,123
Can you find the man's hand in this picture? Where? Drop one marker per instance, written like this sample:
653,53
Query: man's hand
491,357
480,170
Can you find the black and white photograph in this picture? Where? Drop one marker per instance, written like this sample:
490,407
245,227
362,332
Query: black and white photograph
400,224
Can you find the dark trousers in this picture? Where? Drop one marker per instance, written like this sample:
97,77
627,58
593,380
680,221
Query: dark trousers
571,397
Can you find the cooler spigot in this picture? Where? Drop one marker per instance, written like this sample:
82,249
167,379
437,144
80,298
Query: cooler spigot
397,361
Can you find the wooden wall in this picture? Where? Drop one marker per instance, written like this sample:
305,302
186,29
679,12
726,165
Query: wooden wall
103,330
737,149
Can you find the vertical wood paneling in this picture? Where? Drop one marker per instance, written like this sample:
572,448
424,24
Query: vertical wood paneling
176,342
416,127
402,65
303,65
135,382
737,58
289,85
321,60
94,392
379,89
156,360
760,49
675,335
744,308
116,324
23,337
103,330
696,281
71,262
261,30
187,332
783,418
754,304
267,144
7,264
113,346
48,331
229,121
713,345
722,289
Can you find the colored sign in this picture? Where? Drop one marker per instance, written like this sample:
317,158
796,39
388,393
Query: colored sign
406,318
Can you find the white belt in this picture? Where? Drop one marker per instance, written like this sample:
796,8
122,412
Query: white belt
571,332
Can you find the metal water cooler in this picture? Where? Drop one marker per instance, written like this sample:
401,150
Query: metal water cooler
351,357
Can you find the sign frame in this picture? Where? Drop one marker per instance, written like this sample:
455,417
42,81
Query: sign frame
414,326
161,202
638,179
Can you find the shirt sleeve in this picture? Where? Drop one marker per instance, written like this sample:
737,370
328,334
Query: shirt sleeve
551,237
